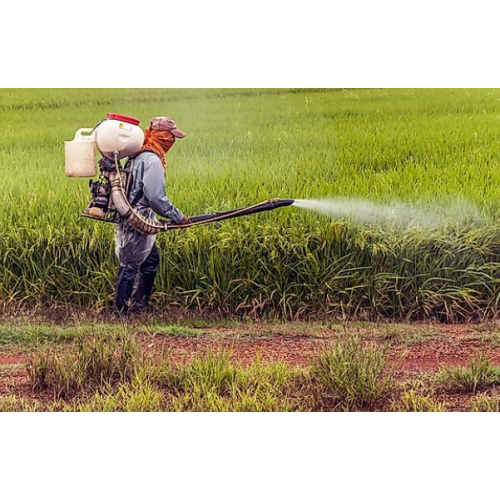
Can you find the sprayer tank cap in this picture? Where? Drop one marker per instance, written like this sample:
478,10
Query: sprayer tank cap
123,118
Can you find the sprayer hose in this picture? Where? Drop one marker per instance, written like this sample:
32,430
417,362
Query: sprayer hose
221,217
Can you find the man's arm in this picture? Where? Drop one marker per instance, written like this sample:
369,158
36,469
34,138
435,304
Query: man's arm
155,191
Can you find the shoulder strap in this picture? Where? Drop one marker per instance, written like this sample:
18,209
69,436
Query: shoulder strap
129,167
140,193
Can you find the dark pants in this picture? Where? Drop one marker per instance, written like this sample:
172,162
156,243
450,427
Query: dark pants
135,285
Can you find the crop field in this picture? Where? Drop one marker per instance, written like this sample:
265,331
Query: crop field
427,148
377,291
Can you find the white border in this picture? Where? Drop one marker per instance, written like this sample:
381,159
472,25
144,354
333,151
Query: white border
274,43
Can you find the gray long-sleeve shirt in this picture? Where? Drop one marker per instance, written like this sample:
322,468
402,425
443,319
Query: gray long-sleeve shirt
148,189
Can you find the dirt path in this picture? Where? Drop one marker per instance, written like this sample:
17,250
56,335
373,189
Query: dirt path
454,346
301,350
412,349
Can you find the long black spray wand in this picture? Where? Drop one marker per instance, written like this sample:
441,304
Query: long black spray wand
264,206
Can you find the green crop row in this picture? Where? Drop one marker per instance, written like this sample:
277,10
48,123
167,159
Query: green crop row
430,146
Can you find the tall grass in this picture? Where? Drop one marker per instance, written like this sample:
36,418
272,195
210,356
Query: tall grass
354,375
247,145
105,373
94,361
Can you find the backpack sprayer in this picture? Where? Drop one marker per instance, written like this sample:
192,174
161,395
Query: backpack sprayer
116,138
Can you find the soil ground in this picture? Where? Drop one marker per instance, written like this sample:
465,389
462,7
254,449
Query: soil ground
414,350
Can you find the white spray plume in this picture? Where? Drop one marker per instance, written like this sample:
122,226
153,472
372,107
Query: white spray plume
396,214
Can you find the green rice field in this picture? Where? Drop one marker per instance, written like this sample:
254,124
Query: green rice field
430,147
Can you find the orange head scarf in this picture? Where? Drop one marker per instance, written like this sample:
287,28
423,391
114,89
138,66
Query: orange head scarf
158,142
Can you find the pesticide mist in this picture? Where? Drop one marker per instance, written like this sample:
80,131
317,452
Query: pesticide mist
396,214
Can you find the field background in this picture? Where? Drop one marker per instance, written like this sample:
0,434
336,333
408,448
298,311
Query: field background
248,145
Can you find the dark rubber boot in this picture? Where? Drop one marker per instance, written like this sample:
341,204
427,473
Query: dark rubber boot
124,288
143,287
142,291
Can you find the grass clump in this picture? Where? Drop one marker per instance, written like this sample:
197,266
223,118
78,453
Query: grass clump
215,383
484,403
214,373
479,375
412,401
137,396
405,334
16,404
354,376
493,339
93,361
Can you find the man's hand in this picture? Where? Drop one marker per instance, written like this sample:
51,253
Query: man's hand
185,221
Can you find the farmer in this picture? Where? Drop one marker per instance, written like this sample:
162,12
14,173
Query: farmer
137,252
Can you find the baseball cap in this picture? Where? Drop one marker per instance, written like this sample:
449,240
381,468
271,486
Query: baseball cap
166,123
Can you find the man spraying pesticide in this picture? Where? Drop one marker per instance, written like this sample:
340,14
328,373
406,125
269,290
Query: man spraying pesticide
131,196
137,251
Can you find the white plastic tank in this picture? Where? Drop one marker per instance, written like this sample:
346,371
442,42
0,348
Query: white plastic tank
119,134
80,154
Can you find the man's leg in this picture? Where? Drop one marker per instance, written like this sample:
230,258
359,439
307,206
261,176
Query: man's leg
145,279
126,277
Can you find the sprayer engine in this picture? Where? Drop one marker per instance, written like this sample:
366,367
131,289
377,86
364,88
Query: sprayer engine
101,192
101,206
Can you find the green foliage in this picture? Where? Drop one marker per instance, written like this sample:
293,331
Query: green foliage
405,334
354,375
176,331
247,145
94,361
15,404
412,401
479,375
484,403
105,374
214,383
138,396
26,336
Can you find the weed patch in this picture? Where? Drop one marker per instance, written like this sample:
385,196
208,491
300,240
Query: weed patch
478,376
15,404
411,401
484,403
353,374
92,362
